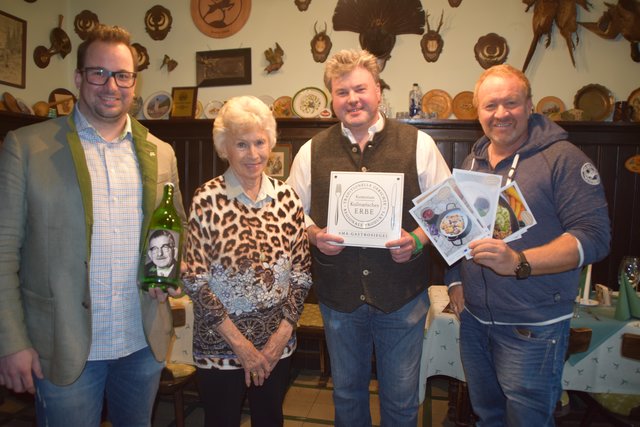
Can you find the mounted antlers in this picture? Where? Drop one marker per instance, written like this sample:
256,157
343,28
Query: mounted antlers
320,44
432,42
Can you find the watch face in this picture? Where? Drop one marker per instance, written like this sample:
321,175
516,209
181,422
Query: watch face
523,270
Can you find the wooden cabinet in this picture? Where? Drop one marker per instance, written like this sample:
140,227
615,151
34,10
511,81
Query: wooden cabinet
607,144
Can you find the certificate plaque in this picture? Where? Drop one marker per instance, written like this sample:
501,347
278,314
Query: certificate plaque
365,208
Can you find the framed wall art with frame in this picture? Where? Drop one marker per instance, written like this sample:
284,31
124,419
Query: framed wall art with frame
13,50
279,162
225,67
184,102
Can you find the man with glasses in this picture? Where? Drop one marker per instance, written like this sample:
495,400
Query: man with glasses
162,254
78,193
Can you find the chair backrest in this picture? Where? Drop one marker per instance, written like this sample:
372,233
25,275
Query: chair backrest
630,346
179,316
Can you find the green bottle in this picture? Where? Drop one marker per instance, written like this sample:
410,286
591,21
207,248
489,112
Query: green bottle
160,261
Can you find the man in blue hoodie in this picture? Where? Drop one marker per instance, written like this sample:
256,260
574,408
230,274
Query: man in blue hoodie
515,300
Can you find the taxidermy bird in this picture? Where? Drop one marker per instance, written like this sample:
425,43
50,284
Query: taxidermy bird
545,13
274,56
621,18
379,22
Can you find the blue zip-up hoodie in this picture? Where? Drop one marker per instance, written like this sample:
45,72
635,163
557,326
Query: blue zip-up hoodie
563,191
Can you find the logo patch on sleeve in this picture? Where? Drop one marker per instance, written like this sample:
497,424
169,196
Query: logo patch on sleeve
590,174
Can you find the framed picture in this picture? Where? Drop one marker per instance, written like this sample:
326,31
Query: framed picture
13,50
223,67
279,162
184,102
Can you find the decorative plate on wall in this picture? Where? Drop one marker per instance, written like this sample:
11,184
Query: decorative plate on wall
220,19
595,100
158,105
550,105
308,102
634,101
463,106
439,102
212,109
268,100
282,107
136,106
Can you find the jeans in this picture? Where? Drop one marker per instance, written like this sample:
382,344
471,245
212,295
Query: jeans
514,373
397,339
130,384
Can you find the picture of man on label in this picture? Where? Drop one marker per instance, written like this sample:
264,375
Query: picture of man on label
163,254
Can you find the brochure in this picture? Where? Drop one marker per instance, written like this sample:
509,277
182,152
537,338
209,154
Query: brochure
448,220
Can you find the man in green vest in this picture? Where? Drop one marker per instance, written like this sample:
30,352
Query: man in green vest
370,298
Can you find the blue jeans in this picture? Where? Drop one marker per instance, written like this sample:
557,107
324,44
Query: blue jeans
130,384
514,373
397,338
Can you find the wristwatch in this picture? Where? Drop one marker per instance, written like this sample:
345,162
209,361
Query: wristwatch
523,270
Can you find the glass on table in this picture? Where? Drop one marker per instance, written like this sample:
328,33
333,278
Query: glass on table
630,267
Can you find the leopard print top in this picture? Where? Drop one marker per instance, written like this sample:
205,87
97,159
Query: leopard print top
250,264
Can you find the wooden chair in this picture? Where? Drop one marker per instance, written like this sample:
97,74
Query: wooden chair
176,376
311,328
620,410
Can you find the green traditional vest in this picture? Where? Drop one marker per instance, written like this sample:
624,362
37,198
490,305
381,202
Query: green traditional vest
365,275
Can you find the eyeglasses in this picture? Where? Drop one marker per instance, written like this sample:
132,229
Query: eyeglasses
164,248
99,77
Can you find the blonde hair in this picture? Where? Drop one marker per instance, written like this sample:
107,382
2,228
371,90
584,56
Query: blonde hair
502,70
345,61
242,114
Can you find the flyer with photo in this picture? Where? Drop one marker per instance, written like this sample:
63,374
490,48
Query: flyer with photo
481,190
513,216
448,220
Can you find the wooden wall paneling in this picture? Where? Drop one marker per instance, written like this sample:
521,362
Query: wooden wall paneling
608,144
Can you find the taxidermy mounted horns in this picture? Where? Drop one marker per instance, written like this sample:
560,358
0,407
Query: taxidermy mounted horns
320,44
432,42
379,21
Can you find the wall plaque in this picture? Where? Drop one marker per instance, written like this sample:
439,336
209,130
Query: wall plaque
220,19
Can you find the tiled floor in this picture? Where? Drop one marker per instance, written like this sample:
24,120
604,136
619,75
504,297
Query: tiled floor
308,403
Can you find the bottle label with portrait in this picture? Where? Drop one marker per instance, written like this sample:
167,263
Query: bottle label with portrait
161,265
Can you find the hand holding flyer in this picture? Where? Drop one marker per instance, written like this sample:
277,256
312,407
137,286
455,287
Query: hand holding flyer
469,206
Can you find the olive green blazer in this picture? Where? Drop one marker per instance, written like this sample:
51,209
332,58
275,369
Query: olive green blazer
46,218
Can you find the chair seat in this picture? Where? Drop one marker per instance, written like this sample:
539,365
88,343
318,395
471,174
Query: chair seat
311,316
180,370
621,404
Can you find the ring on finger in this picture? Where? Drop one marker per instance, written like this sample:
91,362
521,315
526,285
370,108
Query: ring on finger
253,374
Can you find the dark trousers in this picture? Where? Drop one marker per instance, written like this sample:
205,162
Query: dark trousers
222,393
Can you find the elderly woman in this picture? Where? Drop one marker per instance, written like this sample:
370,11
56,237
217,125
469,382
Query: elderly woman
248,272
